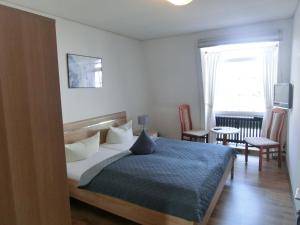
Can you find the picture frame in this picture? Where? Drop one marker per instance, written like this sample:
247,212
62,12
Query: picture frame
84,71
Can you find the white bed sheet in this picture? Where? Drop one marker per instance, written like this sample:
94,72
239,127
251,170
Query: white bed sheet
76,169
120,147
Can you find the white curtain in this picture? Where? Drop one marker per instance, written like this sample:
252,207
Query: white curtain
270,70
210,62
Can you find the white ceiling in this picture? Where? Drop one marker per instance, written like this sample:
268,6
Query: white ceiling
147,19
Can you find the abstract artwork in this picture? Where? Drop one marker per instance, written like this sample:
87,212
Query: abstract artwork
84,71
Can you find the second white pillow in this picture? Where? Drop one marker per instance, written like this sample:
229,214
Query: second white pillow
121,134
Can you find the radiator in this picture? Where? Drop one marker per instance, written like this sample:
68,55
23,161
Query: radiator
250,126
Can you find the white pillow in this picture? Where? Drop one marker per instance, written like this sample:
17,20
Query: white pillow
121,134
119,147
82,149
126,126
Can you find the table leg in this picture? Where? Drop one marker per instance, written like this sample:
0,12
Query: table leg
225,139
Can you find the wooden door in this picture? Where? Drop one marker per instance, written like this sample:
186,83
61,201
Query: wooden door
33,189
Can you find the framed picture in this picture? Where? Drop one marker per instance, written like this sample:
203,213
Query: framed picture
84,71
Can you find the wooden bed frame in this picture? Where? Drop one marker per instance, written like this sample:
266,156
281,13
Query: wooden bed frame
83,129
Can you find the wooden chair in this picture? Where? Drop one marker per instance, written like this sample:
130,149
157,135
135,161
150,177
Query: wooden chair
187,132
273,139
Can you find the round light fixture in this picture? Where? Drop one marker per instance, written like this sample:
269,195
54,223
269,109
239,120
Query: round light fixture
180,2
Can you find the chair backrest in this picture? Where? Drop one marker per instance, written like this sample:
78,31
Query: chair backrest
185,118
276,124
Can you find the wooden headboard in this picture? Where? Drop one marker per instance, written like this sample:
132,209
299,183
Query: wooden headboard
79,130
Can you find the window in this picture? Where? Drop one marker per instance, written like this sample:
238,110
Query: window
239,82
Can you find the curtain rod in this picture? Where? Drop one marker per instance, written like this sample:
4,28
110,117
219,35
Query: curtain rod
240,49
240,38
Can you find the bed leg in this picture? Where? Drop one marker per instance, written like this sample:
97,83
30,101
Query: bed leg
232,170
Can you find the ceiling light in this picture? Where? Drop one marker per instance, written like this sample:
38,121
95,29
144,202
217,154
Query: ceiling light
180,2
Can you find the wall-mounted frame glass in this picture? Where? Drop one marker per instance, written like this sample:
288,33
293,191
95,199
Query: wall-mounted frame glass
84,71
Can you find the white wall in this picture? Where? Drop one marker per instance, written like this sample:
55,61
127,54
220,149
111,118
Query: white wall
124,86
294,117
173,65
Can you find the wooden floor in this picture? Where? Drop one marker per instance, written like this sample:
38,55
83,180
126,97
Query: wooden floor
252,198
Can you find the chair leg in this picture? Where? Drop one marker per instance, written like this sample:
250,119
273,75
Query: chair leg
246,153
268,154
260,158
279,156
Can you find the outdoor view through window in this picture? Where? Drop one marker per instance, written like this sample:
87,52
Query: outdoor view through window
239,80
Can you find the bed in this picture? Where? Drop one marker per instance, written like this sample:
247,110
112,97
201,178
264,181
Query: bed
163,209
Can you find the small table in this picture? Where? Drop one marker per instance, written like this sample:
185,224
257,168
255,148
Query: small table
225,131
